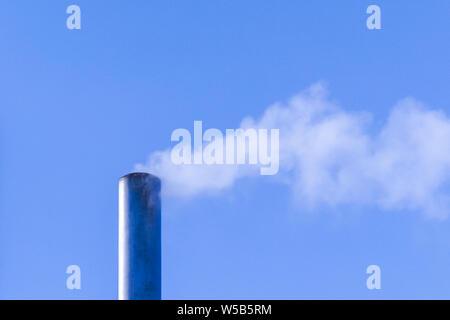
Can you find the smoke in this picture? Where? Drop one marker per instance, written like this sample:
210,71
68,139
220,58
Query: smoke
332,157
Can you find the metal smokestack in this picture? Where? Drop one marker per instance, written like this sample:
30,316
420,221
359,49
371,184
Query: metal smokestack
139,237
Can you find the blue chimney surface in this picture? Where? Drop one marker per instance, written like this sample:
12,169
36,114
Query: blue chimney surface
139,237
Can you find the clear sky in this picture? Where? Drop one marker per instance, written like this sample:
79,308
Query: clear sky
80,108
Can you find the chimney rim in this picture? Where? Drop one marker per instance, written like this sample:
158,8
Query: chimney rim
137,174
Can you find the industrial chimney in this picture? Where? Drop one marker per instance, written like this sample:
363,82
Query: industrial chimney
139,237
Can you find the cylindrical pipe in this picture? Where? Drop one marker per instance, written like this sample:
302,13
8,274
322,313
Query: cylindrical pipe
139,237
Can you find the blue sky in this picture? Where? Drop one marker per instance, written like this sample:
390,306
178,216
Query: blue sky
80,108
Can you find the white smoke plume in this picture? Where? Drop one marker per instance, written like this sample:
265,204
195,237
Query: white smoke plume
331,157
